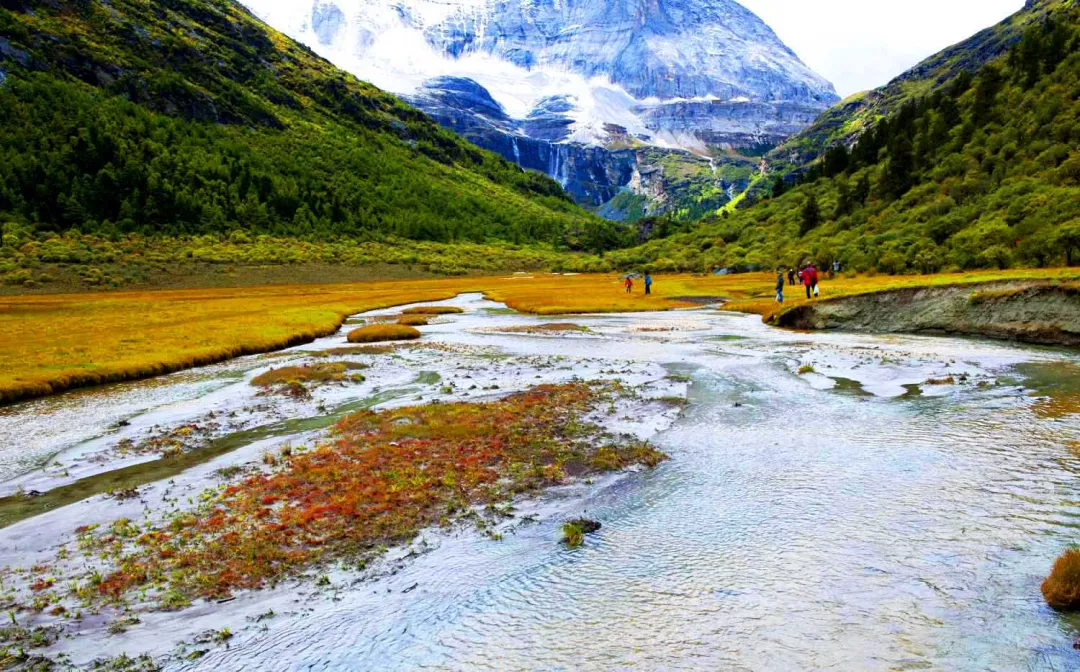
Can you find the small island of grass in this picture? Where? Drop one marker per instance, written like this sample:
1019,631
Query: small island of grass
377,333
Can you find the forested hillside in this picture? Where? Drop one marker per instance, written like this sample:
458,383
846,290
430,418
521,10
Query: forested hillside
847,120
983,172
183,117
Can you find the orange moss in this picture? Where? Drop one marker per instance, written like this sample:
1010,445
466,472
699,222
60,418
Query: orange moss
383,332
385,476
1057,405
413,320
1062,588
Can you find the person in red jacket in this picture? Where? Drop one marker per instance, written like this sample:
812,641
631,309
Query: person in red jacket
629,285
810,279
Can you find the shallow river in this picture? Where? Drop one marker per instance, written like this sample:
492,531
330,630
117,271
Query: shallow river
854,517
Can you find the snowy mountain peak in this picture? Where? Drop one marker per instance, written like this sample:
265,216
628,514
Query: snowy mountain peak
618,60
573,88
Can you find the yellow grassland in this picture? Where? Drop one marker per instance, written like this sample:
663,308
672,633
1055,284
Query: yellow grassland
50,343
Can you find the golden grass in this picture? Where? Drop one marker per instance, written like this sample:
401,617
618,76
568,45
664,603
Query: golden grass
432,310
50,343
377,333
413,320
1062,588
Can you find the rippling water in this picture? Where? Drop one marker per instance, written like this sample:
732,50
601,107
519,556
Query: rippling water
793,529
799,524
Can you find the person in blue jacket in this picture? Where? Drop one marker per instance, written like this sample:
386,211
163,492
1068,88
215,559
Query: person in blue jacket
780,286
648,283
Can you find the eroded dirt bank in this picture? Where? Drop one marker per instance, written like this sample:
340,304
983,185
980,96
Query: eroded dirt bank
1027,312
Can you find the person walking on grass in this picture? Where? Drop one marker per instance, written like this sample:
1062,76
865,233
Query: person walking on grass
810,280
791,276
629,284
648,284
780,286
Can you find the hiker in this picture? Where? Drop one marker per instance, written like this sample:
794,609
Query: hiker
648,284
810,280
780,286
791,276
836,267
629,284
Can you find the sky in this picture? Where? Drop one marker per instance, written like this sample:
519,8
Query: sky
862,44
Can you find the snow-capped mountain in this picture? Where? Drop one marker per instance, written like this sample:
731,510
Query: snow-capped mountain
599,74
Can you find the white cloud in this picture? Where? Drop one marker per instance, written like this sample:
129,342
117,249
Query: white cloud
862,44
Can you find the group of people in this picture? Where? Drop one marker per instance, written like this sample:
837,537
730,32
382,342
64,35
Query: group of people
629,284
807,276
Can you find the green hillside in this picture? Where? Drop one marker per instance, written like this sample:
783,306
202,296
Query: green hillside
189,117
848,119
984,171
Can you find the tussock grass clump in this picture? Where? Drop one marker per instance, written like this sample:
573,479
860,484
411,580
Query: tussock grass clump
383,477
573,536
574,531
947,380
433,310
312,373
413,320
1062,588
376,333
806,368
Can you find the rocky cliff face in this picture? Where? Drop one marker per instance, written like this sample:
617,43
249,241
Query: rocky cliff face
570,88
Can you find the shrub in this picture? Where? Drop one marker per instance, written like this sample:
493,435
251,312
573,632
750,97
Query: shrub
433,310
383,332
1062,588
573,536
574,531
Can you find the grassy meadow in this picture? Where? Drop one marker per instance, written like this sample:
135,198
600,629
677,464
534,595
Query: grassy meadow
50,343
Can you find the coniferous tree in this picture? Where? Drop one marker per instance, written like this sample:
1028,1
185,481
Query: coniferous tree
779,187
836,161
811,215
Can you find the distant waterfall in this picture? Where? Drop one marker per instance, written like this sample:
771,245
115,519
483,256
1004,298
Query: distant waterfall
517,151
559,164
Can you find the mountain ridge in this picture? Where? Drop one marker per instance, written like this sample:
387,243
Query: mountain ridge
848,119
578,83
970,170
191,116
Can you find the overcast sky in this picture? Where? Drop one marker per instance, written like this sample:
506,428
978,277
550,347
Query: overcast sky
862,44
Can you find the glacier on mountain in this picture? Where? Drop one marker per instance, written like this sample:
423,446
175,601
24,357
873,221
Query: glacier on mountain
610,75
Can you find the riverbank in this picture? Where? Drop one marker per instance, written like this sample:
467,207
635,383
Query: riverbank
777,440
1026,311
150,524
53,343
